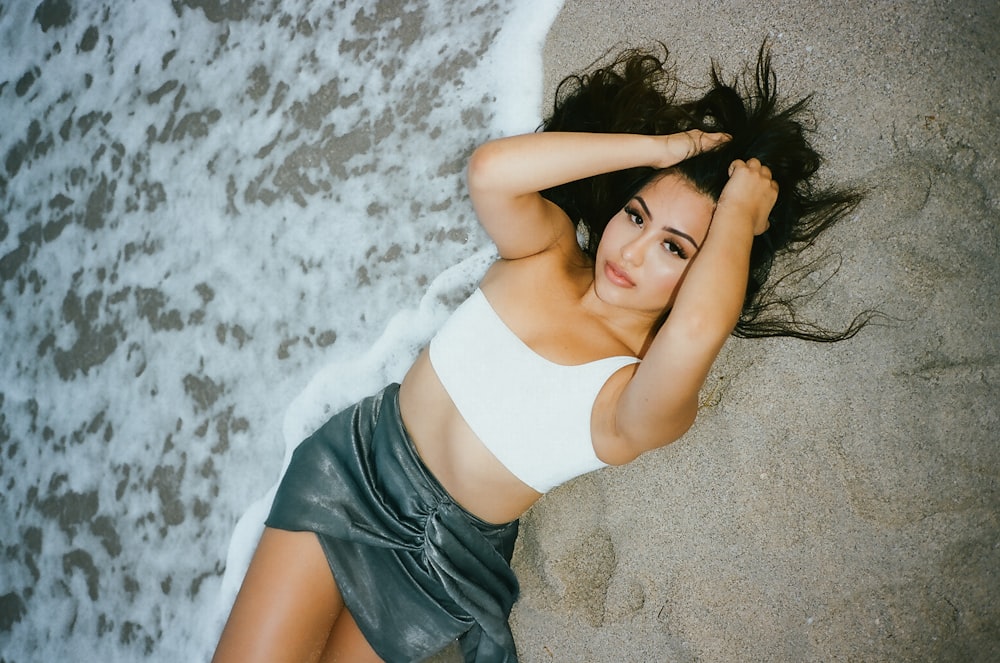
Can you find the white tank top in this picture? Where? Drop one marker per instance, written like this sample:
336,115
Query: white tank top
531,413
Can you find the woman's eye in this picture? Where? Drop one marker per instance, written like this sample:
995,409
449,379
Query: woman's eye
676,249
634,217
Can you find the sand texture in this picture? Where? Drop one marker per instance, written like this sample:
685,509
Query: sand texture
832,502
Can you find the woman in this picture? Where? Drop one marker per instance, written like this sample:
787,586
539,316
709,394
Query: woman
392,531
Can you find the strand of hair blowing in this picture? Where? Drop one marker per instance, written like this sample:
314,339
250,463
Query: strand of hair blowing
636,93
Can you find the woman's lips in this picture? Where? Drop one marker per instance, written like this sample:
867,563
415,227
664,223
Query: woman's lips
617,275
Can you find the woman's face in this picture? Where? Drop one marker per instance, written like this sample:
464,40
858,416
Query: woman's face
647,247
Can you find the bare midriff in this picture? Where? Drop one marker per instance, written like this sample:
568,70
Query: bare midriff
462,464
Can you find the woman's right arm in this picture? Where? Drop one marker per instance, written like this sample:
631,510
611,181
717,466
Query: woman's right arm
505,177
660,401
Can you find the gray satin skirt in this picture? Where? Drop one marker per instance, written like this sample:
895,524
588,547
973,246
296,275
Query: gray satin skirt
415,569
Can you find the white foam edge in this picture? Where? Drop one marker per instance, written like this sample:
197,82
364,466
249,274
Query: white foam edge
342,382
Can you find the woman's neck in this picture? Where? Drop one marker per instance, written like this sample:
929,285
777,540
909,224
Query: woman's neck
632,328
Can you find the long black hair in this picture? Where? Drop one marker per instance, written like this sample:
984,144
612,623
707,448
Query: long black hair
636,93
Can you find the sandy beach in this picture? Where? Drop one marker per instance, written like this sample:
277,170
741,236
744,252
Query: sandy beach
832,502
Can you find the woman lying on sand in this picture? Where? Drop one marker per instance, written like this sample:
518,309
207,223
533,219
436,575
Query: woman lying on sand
392,531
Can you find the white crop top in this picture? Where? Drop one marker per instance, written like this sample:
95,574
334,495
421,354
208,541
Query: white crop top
531,413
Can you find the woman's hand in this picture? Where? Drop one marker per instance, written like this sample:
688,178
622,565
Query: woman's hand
687,144
750,192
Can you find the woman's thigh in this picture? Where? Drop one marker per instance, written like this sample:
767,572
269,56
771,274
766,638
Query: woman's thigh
347,644
288,603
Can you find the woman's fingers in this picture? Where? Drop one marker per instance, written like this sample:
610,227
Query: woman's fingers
752,164
702,141
752,189
684,145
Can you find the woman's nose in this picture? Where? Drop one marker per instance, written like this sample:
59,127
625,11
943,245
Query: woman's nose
632,252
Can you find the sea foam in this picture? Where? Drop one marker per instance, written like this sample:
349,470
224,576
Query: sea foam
219,226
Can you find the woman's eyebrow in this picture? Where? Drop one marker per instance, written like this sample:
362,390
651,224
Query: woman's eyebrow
644,208
675,231
684,235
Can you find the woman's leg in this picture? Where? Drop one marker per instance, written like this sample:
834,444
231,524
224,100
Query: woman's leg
287,606
347,644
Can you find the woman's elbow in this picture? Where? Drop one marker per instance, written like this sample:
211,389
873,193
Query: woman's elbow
638,438
480,172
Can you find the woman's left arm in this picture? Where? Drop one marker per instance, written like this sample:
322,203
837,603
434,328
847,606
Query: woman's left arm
659,403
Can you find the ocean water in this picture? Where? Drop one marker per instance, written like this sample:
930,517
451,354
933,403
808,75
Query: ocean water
220,223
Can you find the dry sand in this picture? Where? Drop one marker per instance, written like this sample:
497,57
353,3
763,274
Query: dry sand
832,502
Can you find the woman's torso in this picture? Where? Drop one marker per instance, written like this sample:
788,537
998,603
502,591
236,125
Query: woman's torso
551,322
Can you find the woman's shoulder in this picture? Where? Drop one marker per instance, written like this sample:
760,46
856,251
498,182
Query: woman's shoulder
539,299
552,280
564,266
